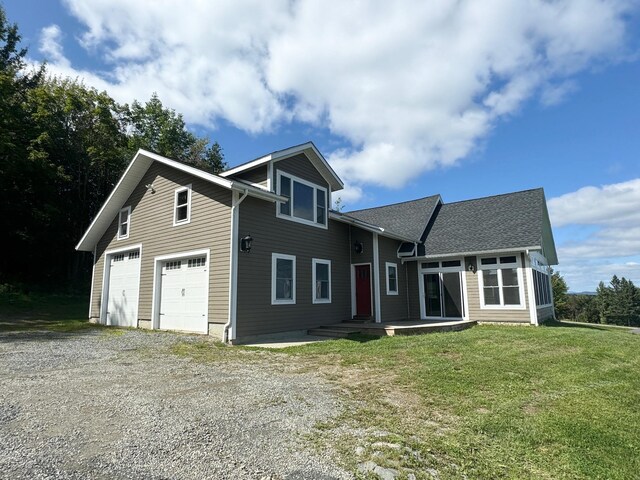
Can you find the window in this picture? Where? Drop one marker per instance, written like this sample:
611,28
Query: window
175,265
124,221
134,255
182,205
542,287
196,262
307,202
500,282
283,279
392,278
321,281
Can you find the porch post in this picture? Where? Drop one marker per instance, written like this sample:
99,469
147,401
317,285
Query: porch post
376,279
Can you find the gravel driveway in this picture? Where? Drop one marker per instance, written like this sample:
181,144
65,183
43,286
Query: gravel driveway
95,404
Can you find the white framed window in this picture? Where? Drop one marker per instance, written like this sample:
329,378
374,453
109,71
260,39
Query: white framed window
392,278
283,279
182,205
321,275
501,282
307,202
124,223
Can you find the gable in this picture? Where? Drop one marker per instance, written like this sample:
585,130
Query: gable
308,149
134,174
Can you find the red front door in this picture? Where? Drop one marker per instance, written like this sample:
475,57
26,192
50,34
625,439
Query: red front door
363,290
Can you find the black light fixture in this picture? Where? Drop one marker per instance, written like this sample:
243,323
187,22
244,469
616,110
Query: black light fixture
245,243
358,247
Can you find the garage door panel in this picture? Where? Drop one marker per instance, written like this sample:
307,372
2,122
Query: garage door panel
123,289
183,295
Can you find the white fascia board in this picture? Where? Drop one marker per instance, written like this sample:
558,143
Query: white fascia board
215,179
81,244
286,153
477,252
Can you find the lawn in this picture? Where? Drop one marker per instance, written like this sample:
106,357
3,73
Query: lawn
555,402
20,311
490,402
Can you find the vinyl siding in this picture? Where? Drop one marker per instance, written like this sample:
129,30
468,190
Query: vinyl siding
255,175
493,315
392,307
300,166
414,290
152,226
255,314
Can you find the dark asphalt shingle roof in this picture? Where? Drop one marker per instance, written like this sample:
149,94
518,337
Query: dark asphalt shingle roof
408,219
512,220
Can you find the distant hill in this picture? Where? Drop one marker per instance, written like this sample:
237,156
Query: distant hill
582,293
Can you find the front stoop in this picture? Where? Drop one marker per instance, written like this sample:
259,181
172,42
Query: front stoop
342,330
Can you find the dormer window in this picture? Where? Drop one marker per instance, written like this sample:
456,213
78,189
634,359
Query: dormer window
307,201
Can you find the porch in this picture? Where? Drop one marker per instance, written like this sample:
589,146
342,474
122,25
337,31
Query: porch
384,329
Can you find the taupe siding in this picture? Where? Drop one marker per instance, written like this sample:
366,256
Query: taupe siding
152,226
256,315
498,315
301,167
414,290
255,175
392,307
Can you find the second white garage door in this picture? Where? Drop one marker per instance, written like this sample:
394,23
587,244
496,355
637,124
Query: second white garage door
183,295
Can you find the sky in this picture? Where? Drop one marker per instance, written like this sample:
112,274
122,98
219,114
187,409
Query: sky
404,99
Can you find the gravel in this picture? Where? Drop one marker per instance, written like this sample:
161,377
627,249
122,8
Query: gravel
97,405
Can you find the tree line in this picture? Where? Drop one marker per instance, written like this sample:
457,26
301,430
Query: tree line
63,146
617,303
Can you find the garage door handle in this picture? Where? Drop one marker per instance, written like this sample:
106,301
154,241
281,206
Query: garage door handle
183,292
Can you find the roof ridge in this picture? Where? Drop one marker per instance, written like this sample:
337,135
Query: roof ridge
494,196
392,204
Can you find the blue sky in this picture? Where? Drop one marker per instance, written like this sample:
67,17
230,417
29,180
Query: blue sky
465,99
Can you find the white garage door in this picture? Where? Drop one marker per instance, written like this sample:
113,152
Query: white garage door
183,295
123,285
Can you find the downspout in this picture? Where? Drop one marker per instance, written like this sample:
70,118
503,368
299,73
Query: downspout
233,267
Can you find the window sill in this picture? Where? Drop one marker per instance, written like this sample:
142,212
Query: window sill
392,293
320,301
302,221
283,302
503,307
177,224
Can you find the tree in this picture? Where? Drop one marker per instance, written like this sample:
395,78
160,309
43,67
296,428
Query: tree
560,298
163,131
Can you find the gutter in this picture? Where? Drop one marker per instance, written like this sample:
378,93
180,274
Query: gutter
477,252
233,267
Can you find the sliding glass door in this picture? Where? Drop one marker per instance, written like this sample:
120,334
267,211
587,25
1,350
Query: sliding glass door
443,293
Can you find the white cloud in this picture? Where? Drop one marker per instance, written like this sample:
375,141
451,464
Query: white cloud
407,83
612,246
616,204
50,46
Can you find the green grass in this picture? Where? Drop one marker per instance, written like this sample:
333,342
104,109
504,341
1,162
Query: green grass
494,402
61,313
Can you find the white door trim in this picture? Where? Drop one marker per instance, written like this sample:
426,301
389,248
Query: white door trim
104,297
157,276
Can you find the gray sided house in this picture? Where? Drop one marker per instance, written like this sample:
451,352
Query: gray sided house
257,250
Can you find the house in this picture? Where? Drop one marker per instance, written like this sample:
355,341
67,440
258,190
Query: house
257,250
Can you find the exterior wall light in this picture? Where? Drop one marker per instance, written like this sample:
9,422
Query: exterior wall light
358,247
245,243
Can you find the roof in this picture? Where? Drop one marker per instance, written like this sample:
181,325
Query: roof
308,148
407,219
130,180
516,220
345,218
